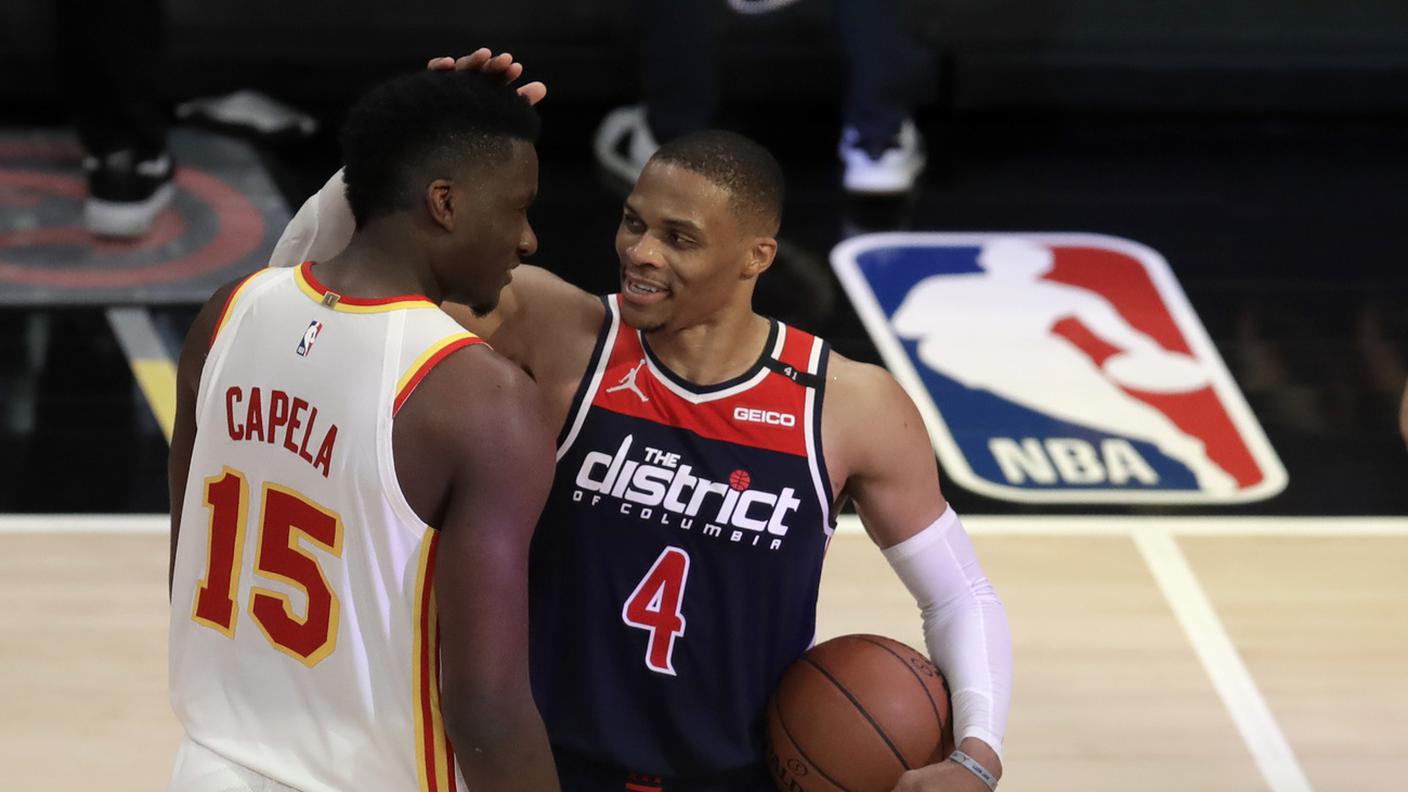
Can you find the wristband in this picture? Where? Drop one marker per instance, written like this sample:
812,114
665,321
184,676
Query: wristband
973,767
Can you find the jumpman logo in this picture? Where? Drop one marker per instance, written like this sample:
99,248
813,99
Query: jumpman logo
628,382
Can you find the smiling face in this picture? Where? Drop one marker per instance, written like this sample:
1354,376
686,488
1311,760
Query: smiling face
685,255
485,211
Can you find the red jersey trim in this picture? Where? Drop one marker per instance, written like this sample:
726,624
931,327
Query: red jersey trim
229,306
427,361
435,762
755,409
309,284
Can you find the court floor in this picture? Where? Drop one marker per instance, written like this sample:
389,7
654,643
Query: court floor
1151,653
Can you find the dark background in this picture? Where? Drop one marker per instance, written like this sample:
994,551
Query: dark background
1239,56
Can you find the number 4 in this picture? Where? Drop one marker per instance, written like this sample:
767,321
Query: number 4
655,606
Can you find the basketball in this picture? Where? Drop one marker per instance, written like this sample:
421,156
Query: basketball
854,713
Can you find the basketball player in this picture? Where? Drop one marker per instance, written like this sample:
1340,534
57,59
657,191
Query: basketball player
703,454
355,480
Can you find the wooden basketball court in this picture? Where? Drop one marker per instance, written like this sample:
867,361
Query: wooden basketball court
1151,653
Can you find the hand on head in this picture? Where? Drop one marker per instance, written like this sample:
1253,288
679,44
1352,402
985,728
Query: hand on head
484,60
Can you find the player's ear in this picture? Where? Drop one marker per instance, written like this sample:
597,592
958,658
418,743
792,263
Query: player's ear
761,253
440,203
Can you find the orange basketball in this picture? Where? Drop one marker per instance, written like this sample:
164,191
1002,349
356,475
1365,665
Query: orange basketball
854,713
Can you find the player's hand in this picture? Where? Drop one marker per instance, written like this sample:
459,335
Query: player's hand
942,776
483,60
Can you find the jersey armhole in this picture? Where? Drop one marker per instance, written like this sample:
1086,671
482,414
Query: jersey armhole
586,390
816,392
428,359
228,310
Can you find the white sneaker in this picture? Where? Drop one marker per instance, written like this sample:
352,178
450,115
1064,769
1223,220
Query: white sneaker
249,110
893,172
759,6
623,142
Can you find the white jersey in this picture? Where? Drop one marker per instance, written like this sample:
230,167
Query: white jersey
304,645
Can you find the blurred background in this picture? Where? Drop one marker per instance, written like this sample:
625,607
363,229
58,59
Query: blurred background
1259,146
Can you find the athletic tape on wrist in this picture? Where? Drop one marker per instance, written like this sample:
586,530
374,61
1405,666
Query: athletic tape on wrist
973,767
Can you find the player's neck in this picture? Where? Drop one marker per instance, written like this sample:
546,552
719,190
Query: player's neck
713,351
379,263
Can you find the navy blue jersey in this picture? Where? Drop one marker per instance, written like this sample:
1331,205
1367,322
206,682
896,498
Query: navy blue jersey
676,566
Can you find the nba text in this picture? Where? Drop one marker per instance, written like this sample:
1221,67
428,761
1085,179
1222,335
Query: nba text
1070,460
259,419
659,488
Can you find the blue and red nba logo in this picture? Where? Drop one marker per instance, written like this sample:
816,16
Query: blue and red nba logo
305,344
1058,368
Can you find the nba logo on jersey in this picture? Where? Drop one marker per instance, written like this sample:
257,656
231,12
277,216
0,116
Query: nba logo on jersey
305,344
1058,368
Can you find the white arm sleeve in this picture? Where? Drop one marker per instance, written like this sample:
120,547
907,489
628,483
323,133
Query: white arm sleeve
965,626
321,229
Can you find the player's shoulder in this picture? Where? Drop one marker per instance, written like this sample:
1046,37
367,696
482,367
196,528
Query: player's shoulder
855,385
865,406
473,417
221,298
477,373
202,332
546,324
548,296
201,335
239,291
472,393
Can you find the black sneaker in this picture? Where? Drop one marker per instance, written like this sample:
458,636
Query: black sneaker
125,193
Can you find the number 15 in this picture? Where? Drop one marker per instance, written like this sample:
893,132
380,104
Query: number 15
285,516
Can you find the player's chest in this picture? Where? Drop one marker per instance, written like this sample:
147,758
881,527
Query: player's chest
626,471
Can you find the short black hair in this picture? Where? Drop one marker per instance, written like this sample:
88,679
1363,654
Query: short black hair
403,125
745,169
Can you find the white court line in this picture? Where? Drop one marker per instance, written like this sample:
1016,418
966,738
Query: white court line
1107,525
1214,647
84,523
978,525
1154,536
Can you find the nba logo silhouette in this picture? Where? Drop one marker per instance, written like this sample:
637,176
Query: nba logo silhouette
1058,368
305,344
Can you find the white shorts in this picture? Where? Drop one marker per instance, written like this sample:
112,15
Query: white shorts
199,769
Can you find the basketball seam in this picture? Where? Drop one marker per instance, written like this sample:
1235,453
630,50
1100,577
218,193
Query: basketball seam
861,710
783,723
932,705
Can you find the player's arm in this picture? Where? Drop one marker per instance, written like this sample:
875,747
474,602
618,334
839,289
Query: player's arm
320,229
475,459
183,433
542,322
874,431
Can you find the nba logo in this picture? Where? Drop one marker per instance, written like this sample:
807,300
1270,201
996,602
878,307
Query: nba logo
305,344
1058,368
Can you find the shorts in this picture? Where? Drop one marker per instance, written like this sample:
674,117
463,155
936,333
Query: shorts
199,769
578,774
